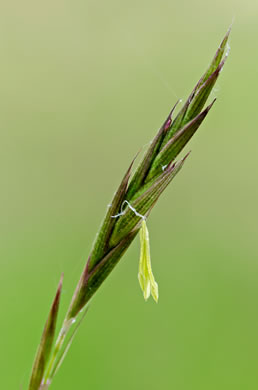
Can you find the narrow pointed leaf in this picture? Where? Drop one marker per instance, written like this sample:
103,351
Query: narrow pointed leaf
46,343
143,204
177,143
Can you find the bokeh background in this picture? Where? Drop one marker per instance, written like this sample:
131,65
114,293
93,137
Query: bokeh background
85,84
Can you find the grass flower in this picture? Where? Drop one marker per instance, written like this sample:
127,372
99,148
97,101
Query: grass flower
136,196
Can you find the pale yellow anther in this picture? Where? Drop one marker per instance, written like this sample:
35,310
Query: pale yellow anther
145,275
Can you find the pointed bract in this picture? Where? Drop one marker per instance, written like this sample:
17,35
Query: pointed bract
100,245
177,143
142,171
217,58
90,281
143,204
60,359
200,93
46,343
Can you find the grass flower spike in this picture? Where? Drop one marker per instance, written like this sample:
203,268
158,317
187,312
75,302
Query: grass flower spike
135,196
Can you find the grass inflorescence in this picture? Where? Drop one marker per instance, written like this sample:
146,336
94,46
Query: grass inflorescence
126,216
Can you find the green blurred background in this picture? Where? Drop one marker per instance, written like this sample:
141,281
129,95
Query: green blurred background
85,84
